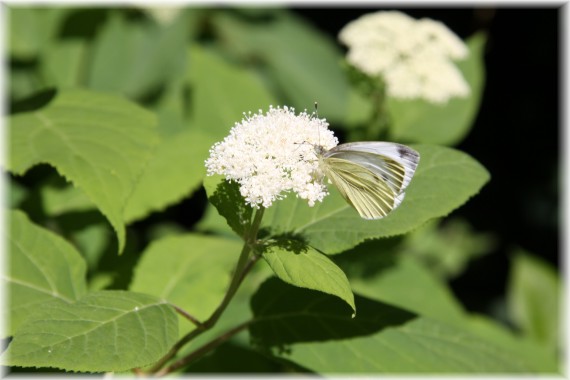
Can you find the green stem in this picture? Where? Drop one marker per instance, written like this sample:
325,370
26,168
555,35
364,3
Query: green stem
244,265
203,349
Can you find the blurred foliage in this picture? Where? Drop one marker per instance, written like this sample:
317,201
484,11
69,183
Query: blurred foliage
153,88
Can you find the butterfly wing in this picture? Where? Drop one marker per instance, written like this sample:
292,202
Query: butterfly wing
371,176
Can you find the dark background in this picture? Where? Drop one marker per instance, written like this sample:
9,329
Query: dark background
515,136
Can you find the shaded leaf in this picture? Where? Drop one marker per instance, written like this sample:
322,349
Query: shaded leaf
448,247
378,270
311,330
64,63
104,331
444,180
533,298
424,122
302,61
407,284
31,29
57,200
229,203
99,142
42,267
135,57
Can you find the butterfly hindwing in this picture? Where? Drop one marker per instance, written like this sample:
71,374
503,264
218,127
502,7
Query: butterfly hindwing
362,188
371,176
383,158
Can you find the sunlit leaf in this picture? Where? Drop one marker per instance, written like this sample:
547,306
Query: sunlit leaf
97,141
42,267
104,331
190,271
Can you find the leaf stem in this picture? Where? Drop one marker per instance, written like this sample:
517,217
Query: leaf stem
187,315
244,265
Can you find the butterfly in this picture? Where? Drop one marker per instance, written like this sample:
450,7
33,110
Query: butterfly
371,176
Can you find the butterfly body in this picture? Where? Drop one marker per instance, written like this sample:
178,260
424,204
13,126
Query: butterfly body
371,176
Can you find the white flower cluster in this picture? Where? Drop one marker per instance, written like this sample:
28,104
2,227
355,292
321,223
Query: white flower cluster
272,154
414,57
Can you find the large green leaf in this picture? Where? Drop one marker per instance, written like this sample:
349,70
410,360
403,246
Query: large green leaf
408,285
135,57
534,299
177,166
424,122
379,271
444,180
321,337
64,63
303,62
100,142
222,93
190,271
42,267
104,331
303,266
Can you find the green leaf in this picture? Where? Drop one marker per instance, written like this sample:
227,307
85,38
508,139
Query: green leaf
378,270
99,142
104,331
226,198
190,271
42,267
380,339
447,248
232,359
63,64
174,172
302,61
177,166
406,284
135,57
300,265
424,122
16,193
444,180
31,29
222,93
58,200
538,358
534,299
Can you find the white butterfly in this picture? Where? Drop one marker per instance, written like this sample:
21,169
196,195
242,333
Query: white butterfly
371,176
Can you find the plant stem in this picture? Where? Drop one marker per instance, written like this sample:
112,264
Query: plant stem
186,315
203,349
244,265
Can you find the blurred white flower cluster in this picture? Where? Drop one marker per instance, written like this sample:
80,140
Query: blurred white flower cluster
272,154
414,57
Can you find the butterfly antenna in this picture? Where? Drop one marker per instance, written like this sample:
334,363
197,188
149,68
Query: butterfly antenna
317,114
